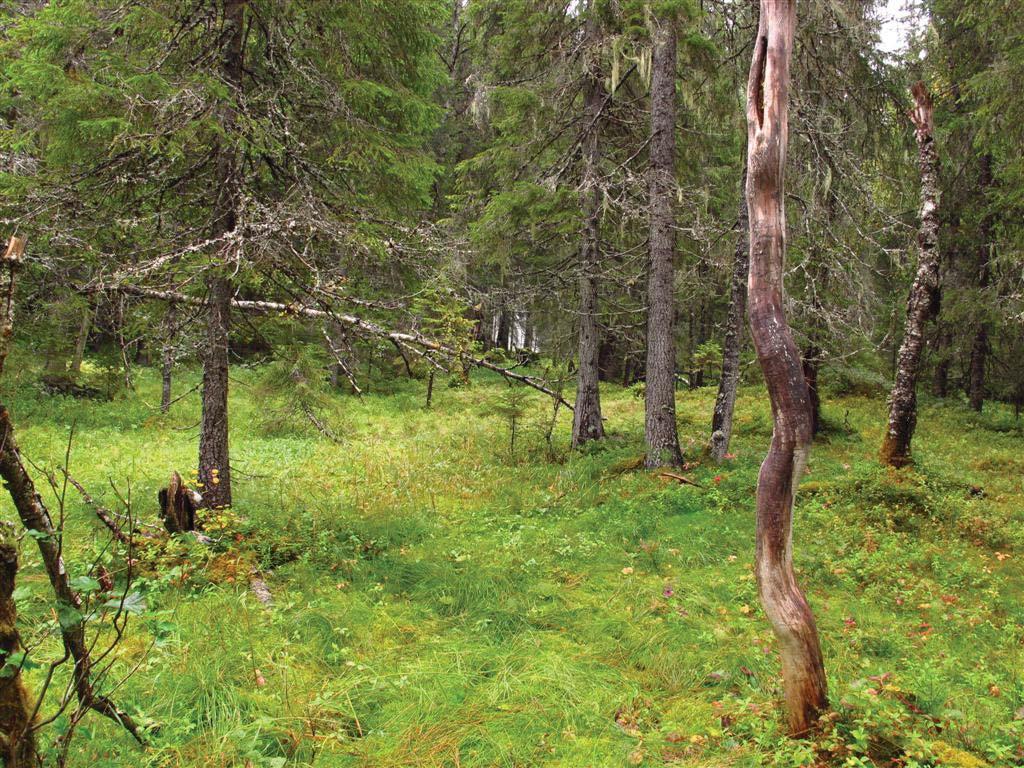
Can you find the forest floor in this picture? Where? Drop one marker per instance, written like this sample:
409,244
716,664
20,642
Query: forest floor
441,601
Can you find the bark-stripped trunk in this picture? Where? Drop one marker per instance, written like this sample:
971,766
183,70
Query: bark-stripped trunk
586,422
167,362
803,671
214,457
660,402
903,400
979,346
725,403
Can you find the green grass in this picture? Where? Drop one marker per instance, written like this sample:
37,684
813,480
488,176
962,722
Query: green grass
439,602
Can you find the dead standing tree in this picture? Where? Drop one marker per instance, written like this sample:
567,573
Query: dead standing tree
803,671
903,400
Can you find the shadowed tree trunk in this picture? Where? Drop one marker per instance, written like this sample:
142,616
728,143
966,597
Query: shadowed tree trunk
979,346
803,670
660,401
17,743
167,362
81,338
903,400
586,422
214,457
811,365
725,403
944,358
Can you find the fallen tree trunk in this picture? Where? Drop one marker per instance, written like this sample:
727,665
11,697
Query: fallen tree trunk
784,603
418,344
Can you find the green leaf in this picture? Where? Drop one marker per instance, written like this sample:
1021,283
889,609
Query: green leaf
132,603
68,615
85,584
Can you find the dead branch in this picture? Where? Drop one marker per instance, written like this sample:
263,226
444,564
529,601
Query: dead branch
421,344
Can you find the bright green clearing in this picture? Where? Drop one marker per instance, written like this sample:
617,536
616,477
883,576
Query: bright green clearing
438,602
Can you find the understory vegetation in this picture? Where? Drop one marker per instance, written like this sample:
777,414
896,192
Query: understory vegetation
440,597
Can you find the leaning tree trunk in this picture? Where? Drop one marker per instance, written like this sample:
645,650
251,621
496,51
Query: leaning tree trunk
214,456
586,422
803,671
17,742
660,402
979,346
725,403
903,401
35,517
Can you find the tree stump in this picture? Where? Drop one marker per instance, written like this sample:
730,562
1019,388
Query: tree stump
178,506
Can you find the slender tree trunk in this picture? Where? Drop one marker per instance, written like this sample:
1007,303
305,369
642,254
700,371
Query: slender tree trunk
725,403
660,403
214,455
81,338
979,346
586,422
787,609
811,365
903,401
167,363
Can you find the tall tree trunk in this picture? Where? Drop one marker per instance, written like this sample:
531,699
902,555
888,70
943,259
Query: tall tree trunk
81,338
979,346
903,401
214,456
167,362
803,670
725,403
586,422
660,402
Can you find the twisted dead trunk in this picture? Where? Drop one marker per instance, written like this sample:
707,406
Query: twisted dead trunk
660,400
767,123
903,400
